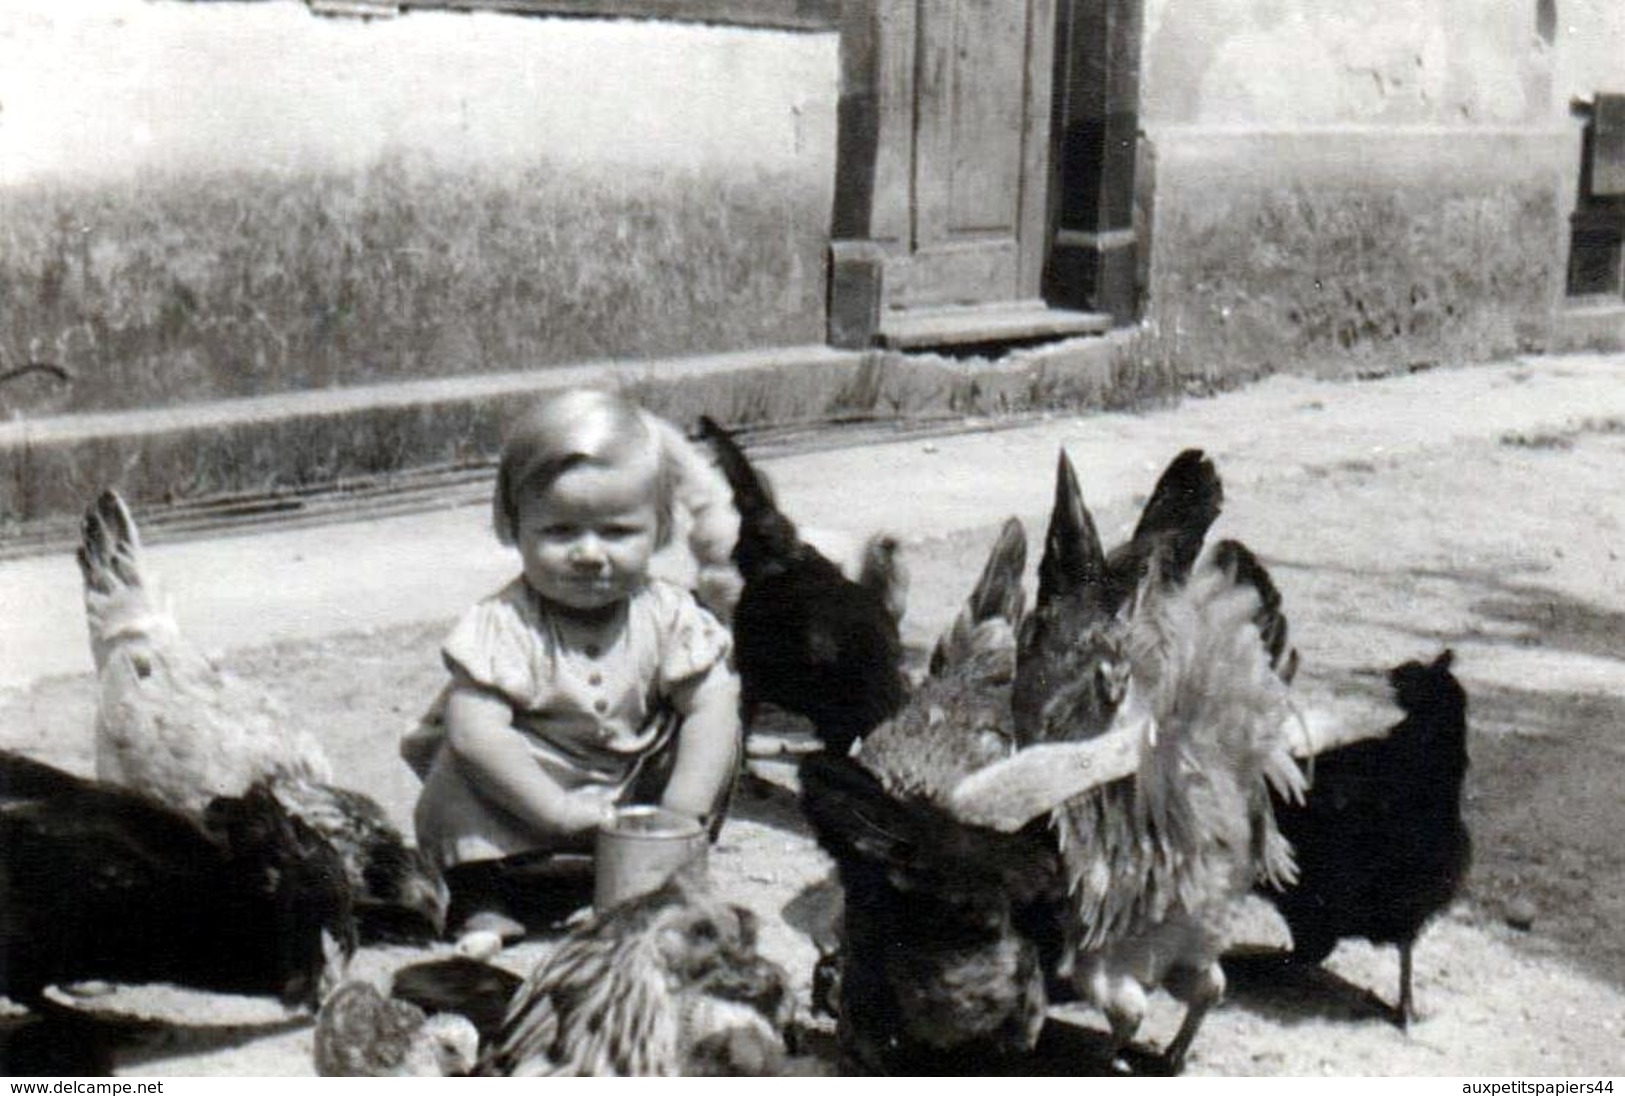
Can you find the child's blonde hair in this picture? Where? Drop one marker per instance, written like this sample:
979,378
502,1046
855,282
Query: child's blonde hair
569,428
590,426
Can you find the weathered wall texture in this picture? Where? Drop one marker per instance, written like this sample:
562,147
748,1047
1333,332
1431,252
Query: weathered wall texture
1355,186
1275,63
1588,48
1274,252
204,200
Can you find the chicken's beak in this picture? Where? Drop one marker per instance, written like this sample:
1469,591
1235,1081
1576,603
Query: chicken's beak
419,902
424,893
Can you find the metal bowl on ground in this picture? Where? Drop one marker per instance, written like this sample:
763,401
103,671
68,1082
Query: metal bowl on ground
642,848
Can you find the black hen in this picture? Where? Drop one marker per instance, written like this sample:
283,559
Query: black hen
943,956
806,638
947,929
1380,842
101,883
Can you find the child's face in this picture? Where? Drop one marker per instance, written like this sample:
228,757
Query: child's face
587,537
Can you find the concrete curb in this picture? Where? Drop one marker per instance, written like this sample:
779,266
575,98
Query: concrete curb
276,445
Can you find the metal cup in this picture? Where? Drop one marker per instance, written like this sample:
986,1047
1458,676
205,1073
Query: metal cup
641,849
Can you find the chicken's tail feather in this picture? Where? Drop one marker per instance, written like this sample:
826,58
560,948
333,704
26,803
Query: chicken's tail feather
1073,558
767,538
751,492
993,611
1245,569
110,545
998,591
1183,505
120,599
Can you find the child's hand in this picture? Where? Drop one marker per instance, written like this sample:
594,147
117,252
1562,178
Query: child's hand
591,806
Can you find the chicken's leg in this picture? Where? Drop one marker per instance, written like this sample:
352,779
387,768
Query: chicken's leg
1121,998
1200,990
1407,1007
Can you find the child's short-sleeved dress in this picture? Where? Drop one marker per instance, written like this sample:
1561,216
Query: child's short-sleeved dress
589,702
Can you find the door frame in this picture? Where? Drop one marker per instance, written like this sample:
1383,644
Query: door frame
1080,120
1099,233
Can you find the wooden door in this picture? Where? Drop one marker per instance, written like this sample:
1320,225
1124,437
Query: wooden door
943,165
981,136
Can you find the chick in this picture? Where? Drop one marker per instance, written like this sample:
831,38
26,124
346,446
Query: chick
361,1033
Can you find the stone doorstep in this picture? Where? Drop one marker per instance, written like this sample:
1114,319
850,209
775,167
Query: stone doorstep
272,446
923,328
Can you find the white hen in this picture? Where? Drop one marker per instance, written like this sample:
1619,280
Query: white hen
169,722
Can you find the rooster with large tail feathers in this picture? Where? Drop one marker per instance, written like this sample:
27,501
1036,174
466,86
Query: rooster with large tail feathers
1175,692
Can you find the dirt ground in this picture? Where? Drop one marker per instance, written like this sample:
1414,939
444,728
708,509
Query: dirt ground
1504,546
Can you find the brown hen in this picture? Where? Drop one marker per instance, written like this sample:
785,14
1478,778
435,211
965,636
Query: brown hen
667,984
